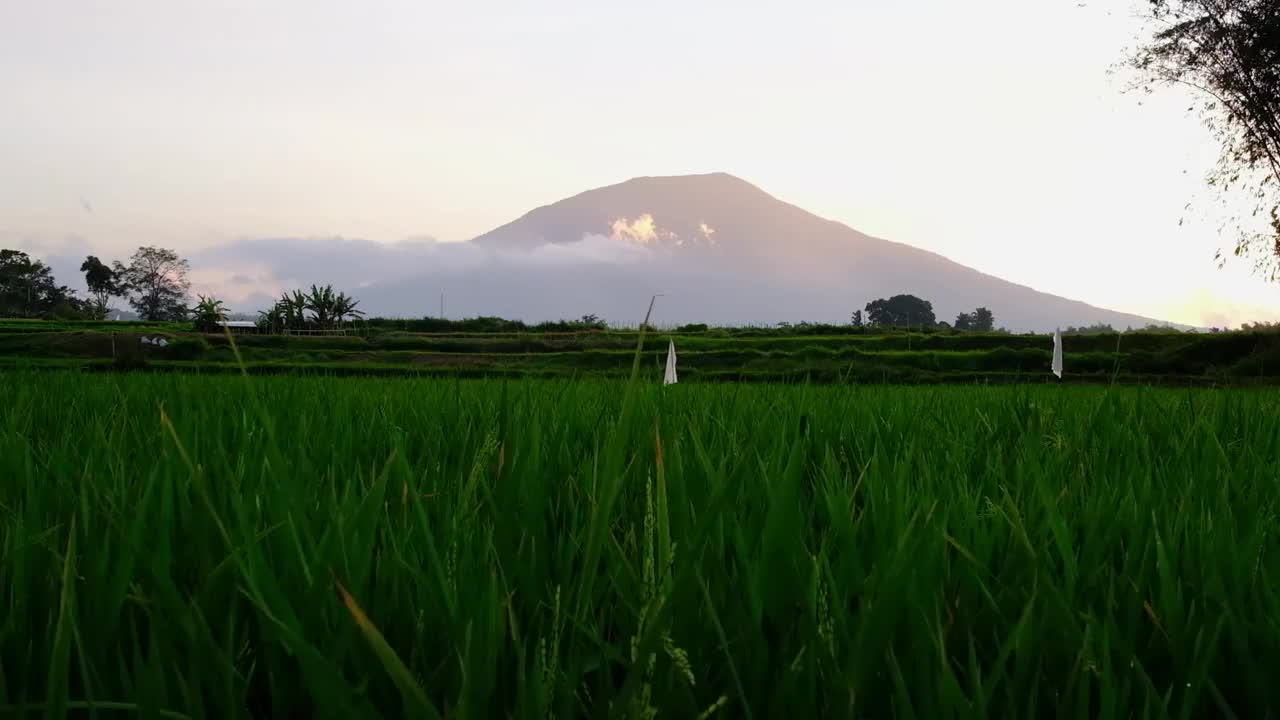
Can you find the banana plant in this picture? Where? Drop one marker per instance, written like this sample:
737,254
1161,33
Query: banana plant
207,313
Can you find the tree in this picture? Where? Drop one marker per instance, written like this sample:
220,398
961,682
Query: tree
271,321
156,282
27,289
1261,326
1228,53
320,301
983,320
1094,329
293,306
980,320
102,282
901,311
856,320
207,313
344,306
327,308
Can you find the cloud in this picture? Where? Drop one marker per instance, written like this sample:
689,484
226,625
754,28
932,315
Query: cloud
611,275
707,233
591,249
642,230
247,272
271,265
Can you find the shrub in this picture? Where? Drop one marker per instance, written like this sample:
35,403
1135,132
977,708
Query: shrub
190,348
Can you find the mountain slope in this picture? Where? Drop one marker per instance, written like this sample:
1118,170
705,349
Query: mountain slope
724,250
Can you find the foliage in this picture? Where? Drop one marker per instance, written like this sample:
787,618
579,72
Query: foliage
1154,328
103,283
187,348
856,319
1156,356
28,289
207,314
328,310
587,323
292,308
1228,53
591,321
980,320
901,311
1261,326
497,325
378,548
1095,329
156,283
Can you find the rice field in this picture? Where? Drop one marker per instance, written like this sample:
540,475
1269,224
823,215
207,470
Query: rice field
216,547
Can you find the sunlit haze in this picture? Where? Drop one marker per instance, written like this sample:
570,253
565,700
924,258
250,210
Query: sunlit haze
989,132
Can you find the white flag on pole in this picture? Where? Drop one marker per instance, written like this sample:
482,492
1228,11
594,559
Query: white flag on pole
1057,353
670,378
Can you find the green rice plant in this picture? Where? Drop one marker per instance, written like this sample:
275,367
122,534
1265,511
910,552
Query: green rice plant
223,546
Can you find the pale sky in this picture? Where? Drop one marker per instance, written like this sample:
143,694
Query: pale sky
987,131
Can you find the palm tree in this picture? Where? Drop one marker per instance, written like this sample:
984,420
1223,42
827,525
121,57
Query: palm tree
273,320
290,310
320,301
208,313
344,306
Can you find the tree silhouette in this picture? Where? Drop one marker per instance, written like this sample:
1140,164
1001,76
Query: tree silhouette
102,282
901,311
207,313
1228,53
27,289
983,320
344,306
156,281
980,320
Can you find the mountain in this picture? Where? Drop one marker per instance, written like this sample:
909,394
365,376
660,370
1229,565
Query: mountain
722,250
718,249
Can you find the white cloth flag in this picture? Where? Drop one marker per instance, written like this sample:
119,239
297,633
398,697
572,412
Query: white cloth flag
670,378
1057,353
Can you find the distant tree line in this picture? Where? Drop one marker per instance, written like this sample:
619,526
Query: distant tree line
28,290
155,285
318,309
491,324
909,311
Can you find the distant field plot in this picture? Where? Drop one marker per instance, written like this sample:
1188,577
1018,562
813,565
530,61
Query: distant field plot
842,355
224,546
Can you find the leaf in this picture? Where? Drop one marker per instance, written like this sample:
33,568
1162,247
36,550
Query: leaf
416,703
60,658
